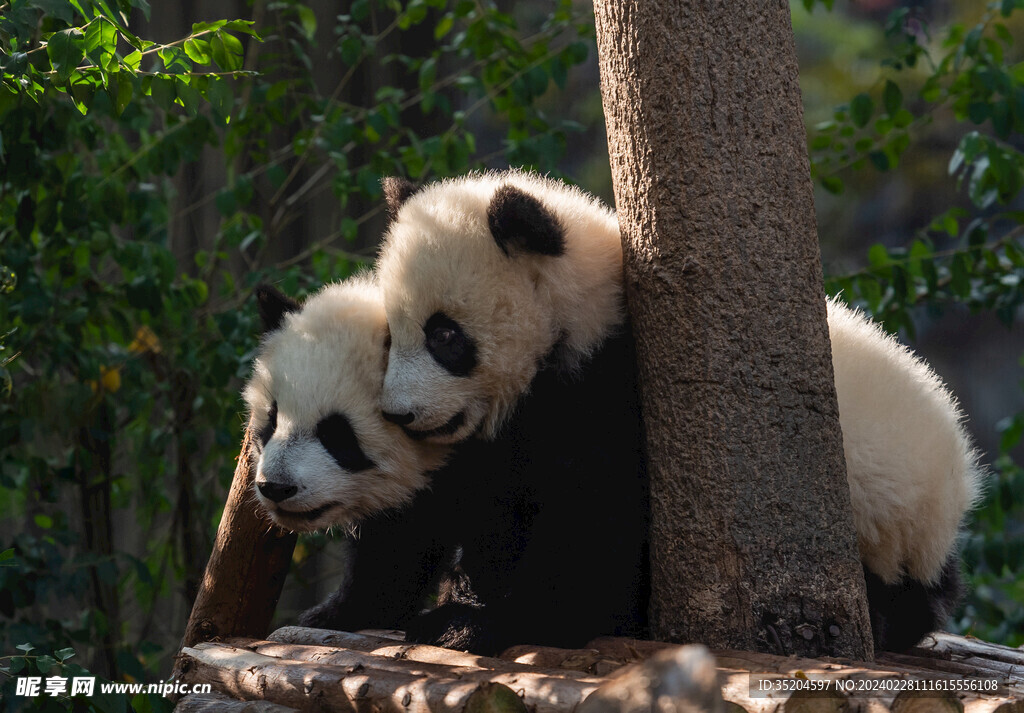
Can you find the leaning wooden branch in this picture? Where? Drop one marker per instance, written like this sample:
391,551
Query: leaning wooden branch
246,571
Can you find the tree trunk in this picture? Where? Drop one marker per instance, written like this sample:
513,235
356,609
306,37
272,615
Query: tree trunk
246,571
752,541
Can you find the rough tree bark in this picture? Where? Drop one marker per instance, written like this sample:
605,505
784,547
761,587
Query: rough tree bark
753,545
246,571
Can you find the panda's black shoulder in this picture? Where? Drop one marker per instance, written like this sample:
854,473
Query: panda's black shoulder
579,426
599,392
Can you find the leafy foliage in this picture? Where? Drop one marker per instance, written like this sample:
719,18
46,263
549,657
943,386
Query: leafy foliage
123,420
969,77
971,256
74,48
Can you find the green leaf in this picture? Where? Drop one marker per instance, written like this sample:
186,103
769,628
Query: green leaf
861,109
7,554
428,73
175,60
307,18
188,95
197,50
950,225
226,202
65,50
121,90
880,160
14,64
218,93
133,60
199,28
227,51
444,26
832,184
931,92
100,35
43,521
163,92
351,49
978,111
61,9
83,89
960,281
878,256
821,142
82,256
246,27
892,98
1011,430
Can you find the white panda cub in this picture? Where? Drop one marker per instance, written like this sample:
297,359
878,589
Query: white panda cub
326,455
494,278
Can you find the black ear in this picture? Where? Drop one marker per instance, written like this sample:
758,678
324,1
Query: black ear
518,221
273,306
397,191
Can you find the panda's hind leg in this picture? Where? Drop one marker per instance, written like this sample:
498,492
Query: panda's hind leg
904,612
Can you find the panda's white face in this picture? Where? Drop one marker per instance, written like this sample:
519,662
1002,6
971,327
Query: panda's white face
468,323
326,457
482,276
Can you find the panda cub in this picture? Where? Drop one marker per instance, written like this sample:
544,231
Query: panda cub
327,458
503,294
508,337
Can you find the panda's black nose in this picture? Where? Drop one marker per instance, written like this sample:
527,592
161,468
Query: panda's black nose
276,492
402,419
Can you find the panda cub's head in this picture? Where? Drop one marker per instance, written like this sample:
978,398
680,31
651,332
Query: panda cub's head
326,457
485,277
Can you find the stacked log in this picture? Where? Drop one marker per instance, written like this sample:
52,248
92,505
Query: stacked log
316,670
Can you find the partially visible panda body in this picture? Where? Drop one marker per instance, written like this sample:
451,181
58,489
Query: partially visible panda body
499,285
913,474
328,459
551,517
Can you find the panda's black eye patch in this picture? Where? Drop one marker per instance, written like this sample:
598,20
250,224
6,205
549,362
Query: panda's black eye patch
267,432
449,345
338,439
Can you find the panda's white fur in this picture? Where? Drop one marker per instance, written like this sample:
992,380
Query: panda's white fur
328,358
440,255
912,470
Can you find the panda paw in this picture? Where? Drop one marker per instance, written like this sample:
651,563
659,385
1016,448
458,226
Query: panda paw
455,626
322,616
334,613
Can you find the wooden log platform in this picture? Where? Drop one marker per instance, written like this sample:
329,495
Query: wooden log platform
302,669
